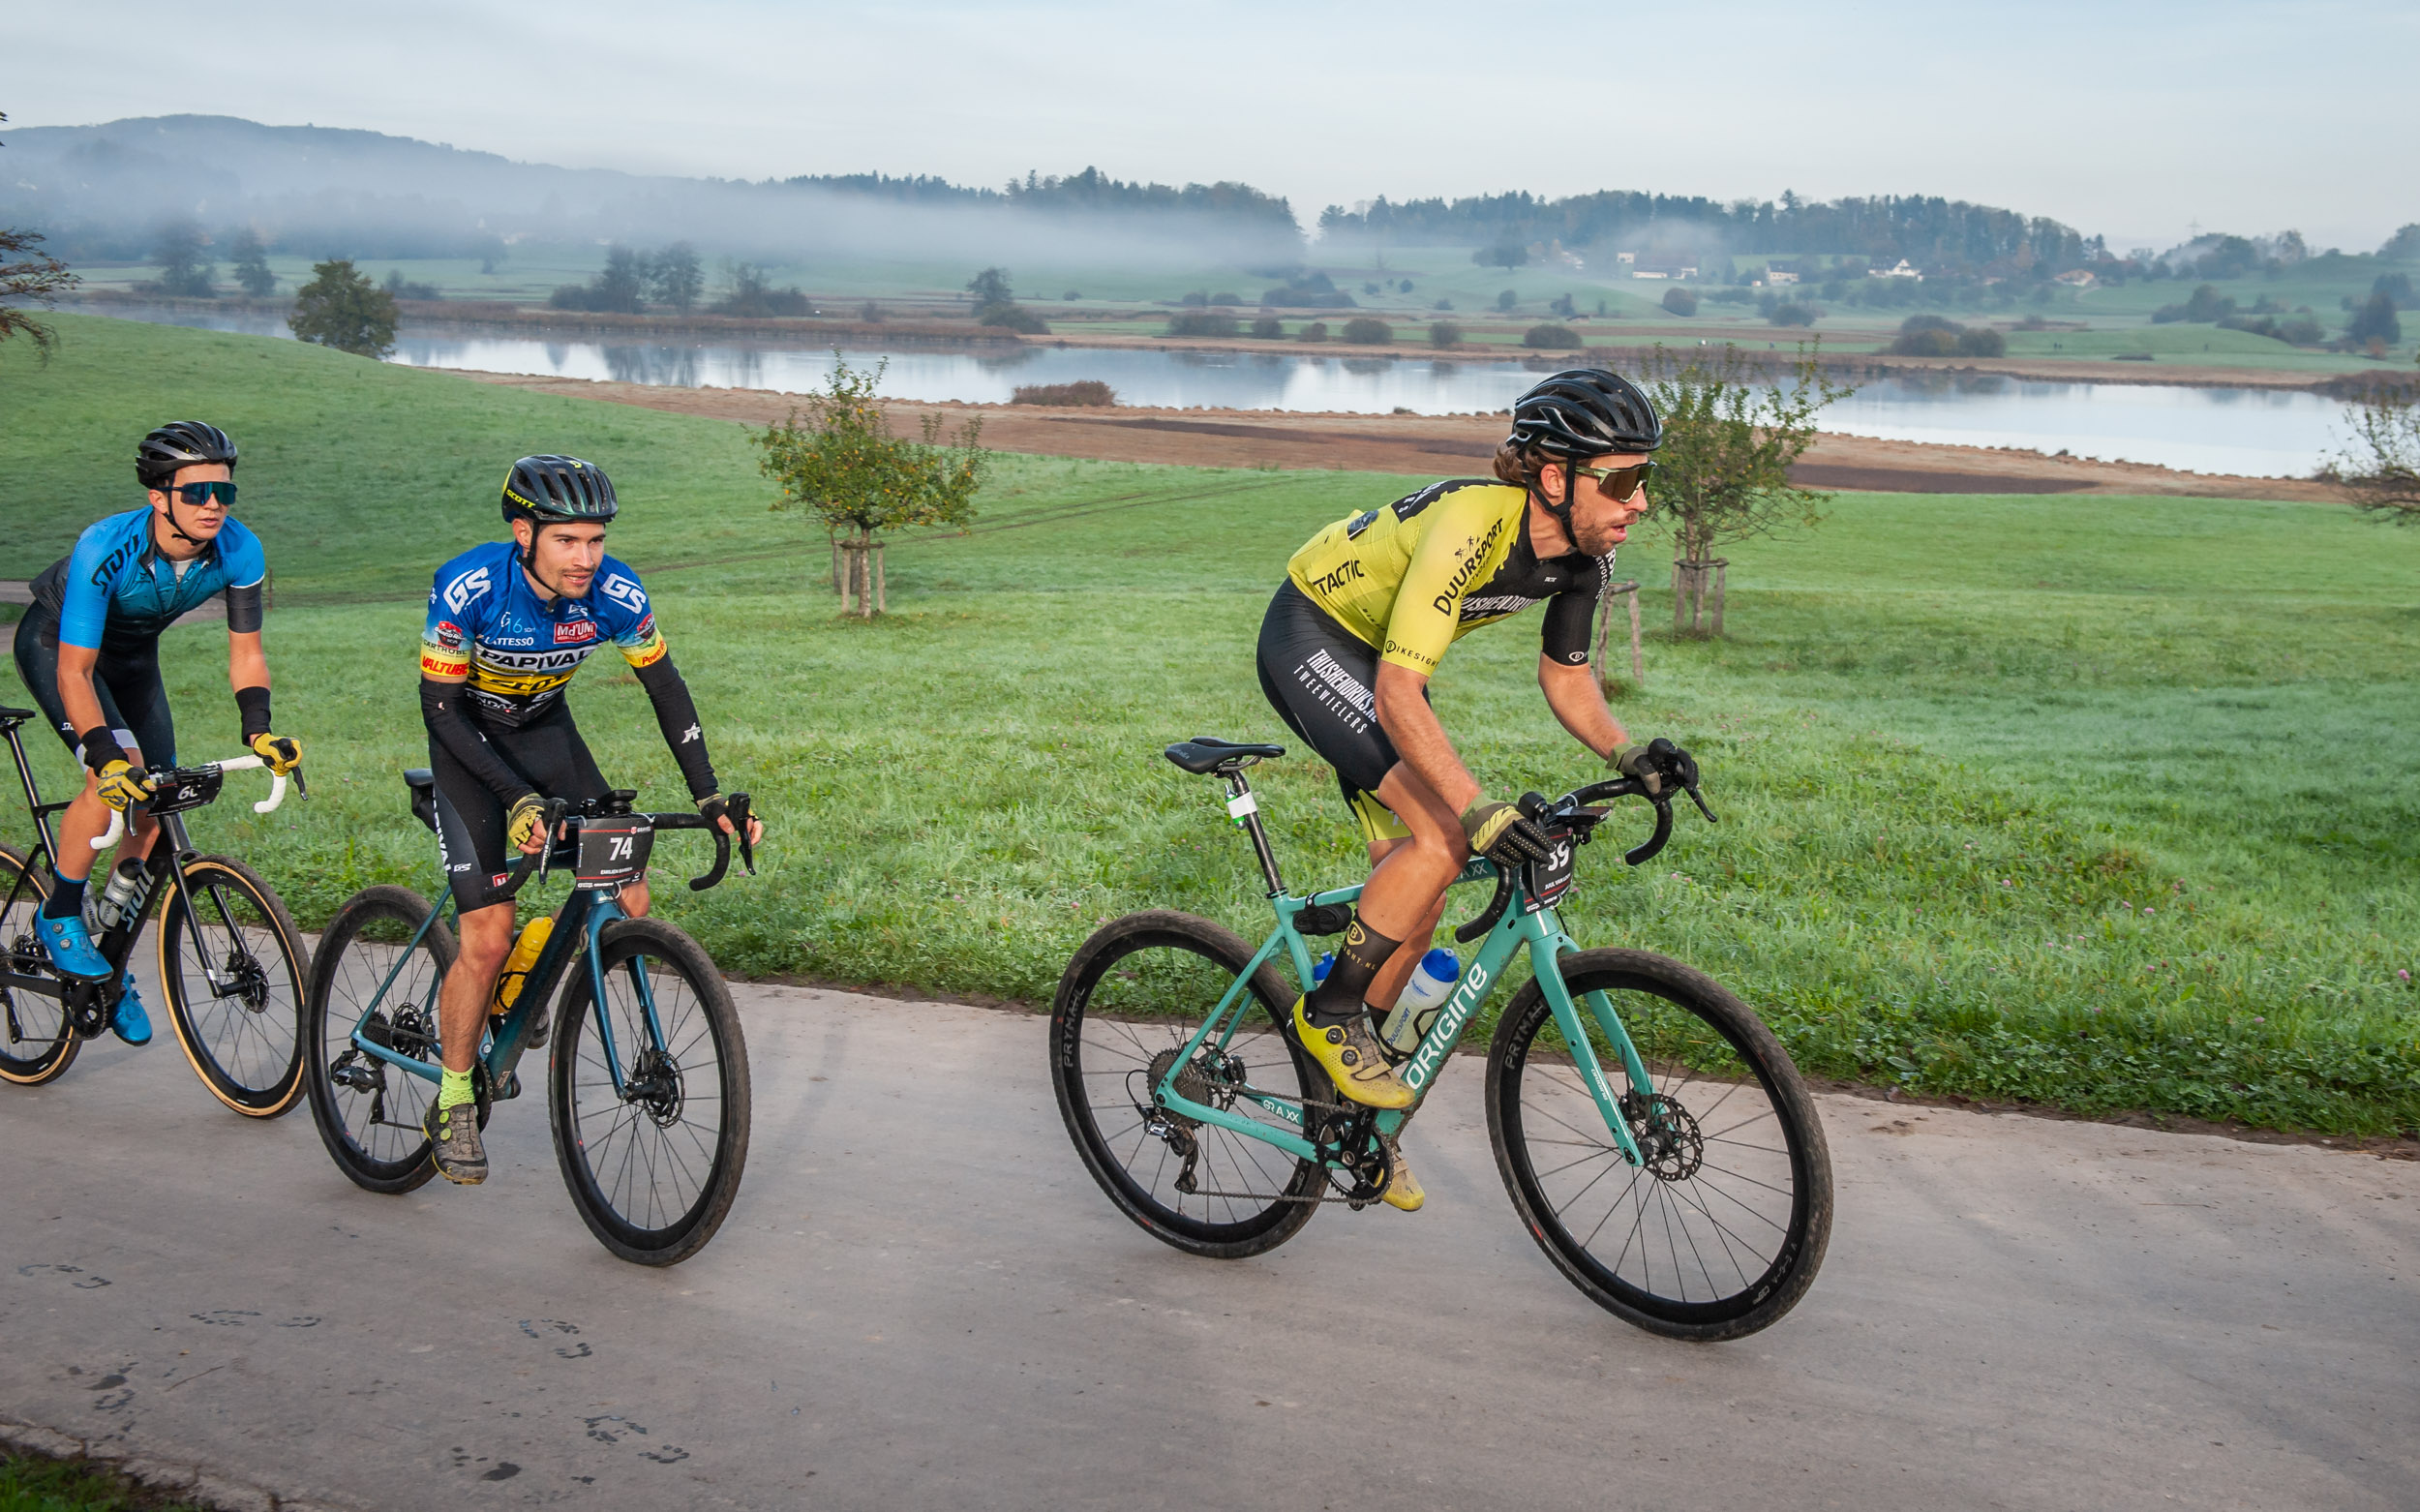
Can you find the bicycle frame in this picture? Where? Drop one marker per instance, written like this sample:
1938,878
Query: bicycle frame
1521,927
578,926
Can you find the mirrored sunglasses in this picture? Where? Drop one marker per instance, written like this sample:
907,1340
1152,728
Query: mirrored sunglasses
1618,482
199,495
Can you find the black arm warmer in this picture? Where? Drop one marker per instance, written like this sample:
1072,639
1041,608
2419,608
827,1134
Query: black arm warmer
442,711
243,610
676,714
254,703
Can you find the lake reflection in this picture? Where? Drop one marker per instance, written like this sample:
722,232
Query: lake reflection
2254,431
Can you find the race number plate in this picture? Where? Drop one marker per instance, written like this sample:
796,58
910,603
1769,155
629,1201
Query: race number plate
613,852
187,787
1545,882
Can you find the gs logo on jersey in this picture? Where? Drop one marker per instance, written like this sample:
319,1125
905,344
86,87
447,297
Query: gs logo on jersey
469,586
625,593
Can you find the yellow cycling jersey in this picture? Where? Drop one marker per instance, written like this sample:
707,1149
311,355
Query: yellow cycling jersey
1418,575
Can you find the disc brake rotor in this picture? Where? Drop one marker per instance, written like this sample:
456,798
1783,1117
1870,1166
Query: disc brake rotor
1671,1145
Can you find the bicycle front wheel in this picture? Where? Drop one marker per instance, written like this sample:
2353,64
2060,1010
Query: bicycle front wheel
367,973
1721,1230
35,1044
234,967
648,1078
1129,1001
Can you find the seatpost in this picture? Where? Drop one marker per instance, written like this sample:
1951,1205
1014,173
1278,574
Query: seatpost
33,795
1245,810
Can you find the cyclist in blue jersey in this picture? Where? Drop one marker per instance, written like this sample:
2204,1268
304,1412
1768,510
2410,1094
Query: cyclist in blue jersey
89,653
509,623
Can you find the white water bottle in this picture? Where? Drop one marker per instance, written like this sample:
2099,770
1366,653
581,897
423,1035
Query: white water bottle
104,910
1424,998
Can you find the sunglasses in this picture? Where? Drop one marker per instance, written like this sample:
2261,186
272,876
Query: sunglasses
1618,482
199,495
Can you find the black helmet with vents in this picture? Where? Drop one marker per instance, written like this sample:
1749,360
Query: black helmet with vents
553,490
1584,413
180,444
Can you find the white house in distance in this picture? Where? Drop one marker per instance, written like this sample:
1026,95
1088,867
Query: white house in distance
1900,269
2076,278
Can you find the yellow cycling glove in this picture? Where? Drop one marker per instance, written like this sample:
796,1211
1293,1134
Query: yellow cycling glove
528,815
282,752
121,784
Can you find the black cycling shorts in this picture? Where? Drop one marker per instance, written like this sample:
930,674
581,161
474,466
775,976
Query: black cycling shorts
133,701
549,755
1321,679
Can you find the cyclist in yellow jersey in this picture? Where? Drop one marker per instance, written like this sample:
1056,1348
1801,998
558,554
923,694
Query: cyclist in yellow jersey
1368,609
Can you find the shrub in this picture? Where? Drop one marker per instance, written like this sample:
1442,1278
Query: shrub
2206,306
1507,300
2375,322
1316,331
1083,392
1269,328
1792,313
1317,291
1012,318
400,288
1071,295
1226,299
1196,299
1444,303
1932,341
1503,255
1680,301
1551,338
1445,333
1982,341
1200,322
1732,297
1363,331
870,313
1403,286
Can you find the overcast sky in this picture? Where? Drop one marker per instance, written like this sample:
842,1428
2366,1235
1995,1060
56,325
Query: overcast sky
2137,120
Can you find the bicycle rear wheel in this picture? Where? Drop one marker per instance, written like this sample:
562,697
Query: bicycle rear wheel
1722,1231
35,1045
1130,999
654,1160
234,967
369,1112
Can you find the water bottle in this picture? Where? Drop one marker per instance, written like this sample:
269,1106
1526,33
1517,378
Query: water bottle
119,901
516,969
1424,998
1319,968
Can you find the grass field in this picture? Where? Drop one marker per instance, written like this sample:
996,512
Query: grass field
32,1483
2103,802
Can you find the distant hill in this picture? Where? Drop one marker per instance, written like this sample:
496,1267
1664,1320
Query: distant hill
105,192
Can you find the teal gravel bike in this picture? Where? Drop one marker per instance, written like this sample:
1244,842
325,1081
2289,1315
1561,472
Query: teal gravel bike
647,1079
1656,1137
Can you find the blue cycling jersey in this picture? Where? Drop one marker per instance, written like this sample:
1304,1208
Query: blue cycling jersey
117,589
489,629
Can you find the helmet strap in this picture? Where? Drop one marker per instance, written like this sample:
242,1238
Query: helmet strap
175,528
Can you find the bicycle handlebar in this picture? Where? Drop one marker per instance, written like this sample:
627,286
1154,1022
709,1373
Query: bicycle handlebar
559,813
277,791
1575,814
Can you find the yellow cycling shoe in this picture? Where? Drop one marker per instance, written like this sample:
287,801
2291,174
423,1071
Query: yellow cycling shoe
1350,1054
1403,1188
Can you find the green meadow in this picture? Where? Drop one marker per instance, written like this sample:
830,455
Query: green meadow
2101,802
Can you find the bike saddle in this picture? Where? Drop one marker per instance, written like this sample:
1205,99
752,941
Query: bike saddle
1202,755
423,784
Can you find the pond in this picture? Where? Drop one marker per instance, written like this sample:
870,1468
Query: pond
2258,433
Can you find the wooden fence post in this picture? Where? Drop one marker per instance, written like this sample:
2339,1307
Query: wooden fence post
1604,632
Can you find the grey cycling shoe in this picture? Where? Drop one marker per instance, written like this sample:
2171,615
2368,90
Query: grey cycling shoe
461,1157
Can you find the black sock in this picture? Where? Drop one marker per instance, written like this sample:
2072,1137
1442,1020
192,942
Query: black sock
67,897
1363,953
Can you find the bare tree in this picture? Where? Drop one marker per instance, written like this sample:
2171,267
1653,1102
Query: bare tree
2381,467
29,274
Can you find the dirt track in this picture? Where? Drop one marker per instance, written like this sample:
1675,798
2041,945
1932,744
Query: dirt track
1436,444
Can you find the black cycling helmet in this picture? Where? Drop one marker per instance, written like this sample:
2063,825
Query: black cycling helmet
1583,412
180,444
558,491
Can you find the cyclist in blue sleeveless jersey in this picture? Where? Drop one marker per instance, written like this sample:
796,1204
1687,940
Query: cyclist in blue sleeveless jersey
509,623
89,653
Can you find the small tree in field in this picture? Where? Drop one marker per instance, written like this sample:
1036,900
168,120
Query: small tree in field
841,461
26,274
1723,472
2382,466
250,260
340,308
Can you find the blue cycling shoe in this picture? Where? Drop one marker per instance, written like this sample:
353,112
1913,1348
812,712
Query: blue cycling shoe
128,1019
71,947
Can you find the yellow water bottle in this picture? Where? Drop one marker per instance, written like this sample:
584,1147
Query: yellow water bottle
525,955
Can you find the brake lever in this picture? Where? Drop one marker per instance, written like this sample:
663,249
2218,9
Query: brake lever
1699,802
737,809
555,809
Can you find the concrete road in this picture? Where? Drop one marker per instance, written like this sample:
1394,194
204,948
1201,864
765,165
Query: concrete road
922,1301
